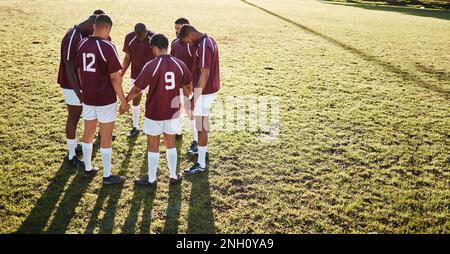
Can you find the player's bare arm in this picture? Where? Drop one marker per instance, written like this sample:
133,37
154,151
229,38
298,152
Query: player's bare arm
125,64
204,75
187,90
116,80
134,93
71,75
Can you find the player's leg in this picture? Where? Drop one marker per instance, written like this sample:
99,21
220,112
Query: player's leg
74,110
172,158
73,117
106,117
153,130
135,110
204,126
193,148
171,128
150,179
179,134
90,126
202,122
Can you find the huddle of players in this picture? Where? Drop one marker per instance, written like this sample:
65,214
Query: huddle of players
91,77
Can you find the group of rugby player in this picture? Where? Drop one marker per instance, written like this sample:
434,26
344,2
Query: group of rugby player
91,76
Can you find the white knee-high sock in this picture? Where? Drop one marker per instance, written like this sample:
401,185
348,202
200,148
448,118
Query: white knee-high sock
135,112
106,154
171,156
194,130
153,160
71,145
87,155
202,156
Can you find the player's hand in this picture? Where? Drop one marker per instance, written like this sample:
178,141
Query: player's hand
79,97
124,107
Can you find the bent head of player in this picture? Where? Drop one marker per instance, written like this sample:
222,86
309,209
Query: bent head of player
99,12
159,43
188,34
178,24
141,31
102,27
87,27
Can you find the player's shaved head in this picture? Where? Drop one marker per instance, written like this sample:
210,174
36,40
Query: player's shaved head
141,31
87,27
99,12
103,20
159,41
181,21
178,24
92,19
189,34
102,27
140,28
185,30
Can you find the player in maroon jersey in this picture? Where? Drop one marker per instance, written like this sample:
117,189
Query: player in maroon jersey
68,81
138,52
99,74
100,12
164,76
206,78
181,50
185,52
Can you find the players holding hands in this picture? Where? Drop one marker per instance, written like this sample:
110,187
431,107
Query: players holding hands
166,79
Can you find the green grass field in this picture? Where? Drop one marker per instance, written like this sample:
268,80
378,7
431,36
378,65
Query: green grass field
364,123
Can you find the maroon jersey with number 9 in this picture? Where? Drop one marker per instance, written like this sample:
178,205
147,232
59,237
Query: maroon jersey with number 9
165,75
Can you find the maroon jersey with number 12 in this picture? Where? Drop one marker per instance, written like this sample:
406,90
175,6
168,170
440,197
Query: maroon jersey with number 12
97,59
165,75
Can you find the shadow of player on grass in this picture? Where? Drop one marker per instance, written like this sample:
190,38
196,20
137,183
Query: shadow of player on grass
142,199
112,194
39,216
200,214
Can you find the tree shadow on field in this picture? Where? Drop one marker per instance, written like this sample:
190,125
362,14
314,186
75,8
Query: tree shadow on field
430,13
43,209
385,65
112,194
200,215
142,197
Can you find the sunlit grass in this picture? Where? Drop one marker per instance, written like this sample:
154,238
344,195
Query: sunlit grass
364,124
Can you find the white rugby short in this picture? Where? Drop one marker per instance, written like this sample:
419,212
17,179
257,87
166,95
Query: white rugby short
156,128
71,97
203,104
104,114
132,85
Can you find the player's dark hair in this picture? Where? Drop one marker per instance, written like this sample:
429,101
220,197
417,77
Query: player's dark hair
185,30
160,41
91,19
99,12
103,19
181,21
140,28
